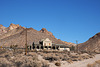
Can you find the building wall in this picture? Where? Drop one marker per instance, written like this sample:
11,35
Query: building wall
61,49
47,42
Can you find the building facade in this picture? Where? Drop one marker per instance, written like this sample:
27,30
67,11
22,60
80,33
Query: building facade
47,44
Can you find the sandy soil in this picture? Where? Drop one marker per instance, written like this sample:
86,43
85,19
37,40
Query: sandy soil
77,63
82,63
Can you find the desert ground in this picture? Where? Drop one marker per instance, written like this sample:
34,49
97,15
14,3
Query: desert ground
17,58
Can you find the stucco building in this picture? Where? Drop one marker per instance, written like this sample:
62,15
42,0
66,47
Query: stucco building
47,44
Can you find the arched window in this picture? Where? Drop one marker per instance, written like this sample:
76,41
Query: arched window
49,44
44,44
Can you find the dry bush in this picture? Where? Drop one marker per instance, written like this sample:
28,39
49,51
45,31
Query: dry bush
51,58
75,59
95,64
85,57
54,56
97,51
44,64
5,65
34,64
18,64
69,61
80,58
91,65
19,51
98,62
74,56
58,64
2,51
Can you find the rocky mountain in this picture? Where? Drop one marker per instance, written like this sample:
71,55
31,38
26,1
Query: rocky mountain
15,35
93,44
2,29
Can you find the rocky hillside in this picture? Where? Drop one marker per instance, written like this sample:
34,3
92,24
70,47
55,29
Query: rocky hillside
92,44
15,35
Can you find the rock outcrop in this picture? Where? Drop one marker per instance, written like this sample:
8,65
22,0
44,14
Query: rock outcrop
44,30
2,29
13,26
93,44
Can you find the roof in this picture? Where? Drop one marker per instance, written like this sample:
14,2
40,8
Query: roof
47,39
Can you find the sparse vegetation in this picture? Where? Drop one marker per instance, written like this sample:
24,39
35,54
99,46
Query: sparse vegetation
13,47
19,59
58,64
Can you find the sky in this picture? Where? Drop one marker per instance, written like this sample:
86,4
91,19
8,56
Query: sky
68,20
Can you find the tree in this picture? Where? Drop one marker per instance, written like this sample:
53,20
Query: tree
72,48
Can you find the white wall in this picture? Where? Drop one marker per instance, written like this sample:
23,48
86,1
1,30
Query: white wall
47,42
61,49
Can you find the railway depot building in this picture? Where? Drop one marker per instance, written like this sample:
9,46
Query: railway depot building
47,44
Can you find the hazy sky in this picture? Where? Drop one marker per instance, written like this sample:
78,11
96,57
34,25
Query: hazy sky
68,20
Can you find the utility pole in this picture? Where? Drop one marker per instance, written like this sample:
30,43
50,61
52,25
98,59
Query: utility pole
76,46
26,42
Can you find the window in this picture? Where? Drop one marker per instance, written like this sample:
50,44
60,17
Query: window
49,44
44,44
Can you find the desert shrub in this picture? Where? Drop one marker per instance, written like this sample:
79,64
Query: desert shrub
83,51
44,64
50,58
36,64
7,57
35,57
90,56
91,65
2,65
61,56
2,51
97,51
56,54
75,59
80,58
74,56
64,58
98,62
69,61
19,51
13,47
26,65
5,65
58,64
31,64
85,57
18,64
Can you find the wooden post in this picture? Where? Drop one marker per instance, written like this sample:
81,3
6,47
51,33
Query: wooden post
26,43
76,46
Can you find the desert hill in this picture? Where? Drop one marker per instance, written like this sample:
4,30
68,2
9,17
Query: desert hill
15,35
92,44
